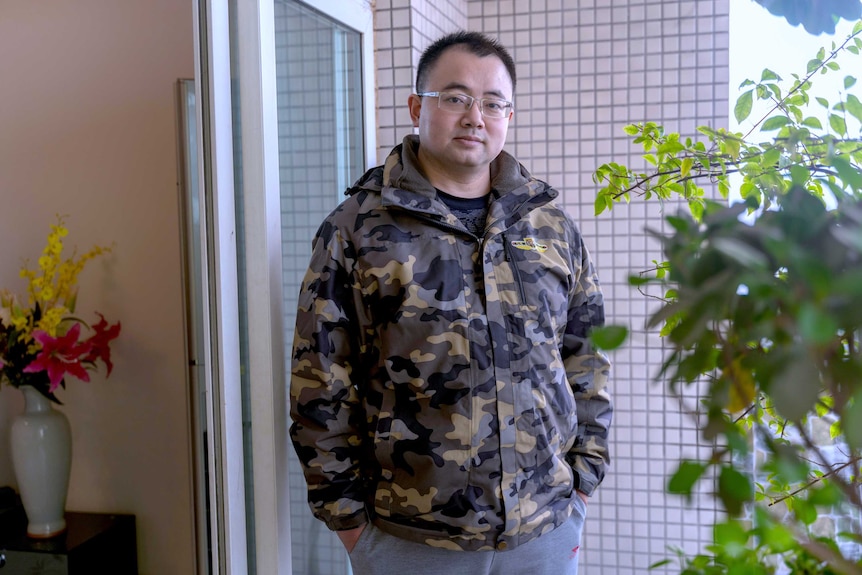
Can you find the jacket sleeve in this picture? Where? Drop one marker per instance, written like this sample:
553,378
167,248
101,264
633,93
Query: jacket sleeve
324,403
588,370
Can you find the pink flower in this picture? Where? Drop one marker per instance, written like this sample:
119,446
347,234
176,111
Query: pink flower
100,342
60,355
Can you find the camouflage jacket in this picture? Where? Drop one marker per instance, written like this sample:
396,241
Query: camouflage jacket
442,384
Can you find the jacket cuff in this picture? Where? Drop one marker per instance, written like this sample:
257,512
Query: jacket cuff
586,484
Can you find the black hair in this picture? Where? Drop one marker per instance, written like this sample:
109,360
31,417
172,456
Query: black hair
474,42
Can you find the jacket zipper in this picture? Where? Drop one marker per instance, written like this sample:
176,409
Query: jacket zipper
516,273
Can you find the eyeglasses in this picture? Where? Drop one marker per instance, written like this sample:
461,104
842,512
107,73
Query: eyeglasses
461,103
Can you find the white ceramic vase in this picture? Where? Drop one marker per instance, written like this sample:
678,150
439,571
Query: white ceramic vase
42,457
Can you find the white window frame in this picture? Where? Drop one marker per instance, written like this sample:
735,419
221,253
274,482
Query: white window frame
227,512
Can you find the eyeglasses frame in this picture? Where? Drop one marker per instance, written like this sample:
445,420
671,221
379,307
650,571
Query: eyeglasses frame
473,100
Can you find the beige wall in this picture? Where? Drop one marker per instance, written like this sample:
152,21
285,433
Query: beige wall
87,129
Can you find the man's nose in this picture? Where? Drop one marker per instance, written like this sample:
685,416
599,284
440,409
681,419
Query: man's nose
473,116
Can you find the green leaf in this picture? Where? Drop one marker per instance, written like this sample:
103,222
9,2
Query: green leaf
609,337
815,326
799,174
771,156
813,64
787,464
768,74
774,123
743,106
685,166
631,129
678,223
838,124
602,203
683,480
776,91
847,172
804,511
826,495
736,440
774,535
796,387
851,422
670,147
854,106
734,489
849,81
741,252
812,122
696,208
822,101
731,146
732,537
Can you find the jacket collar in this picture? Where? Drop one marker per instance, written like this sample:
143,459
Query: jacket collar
507,174
403,183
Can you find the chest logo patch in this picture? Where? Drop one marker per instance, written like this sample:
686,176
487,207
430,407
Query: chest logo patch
531,244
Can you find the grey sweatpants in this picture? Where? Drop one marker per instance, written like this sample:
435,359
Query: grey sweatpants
554,553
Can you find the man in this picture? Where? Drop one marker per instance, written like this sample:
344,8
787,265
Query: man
449,410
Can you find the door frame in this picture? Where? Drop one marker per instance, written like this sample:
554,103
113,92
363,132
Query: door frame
257,120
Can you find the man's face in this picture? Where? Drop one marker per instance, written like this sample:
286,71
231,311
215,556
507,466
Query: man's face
459,144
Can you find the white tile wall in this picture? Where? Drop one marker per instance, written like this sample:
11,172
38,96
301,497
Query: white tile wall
585,69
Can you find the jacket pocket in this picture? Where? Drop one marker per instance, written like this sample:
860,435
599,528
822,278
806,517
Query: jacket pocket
427,460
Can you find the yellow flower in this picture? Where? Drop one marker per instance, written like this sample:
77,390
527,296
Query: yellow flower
51,320
20,322
55,286
47,317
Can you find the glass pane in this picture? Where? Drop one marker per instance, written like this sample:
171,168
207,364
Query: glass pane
320,154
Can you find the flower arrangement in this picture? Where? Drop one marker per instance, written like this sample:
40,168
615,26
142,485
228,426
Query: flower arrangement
42,342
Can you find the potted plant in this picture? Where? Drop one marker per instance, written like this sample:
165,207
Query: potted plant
42,342
761,307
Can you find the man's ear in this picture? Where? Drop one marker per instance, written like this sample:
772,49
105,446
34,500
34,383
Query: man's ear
414,103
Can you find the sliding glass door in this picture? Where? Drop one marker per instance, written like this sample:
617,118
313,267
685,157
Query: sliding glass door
321,152
285,112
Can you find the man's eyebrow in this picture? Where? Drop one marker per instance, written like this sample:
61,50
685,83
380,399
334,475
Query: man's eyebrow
456,86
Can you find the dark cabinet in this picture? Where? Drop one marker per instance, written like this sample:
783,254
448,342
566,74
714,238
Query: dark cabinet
93,544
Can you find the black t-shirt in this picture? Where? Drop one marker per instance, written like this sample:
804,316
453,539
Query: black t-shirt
471,211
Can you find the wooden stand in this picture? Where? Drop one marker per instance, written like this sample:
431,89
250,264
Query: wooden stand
93,544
